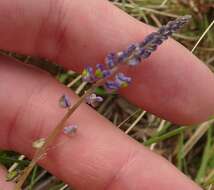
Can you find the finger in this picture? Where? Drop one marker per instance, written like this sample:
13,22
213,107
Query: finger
97,157
172,83
4,185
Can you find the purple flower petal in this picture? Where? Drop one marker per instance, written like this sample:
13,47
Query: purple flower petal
70,129
64,101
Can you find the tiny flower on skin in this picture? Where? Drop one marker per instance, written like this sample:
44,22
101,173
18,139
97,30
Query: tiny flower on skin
110,60
93,99
70,129
121,81
111,86
64,101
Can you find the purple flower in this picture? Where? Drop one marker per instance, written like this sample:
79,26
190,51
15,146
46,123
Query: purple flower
131,48
70,129
111,85
88,75
93,99
122,77
121,81
64,101
110,60
134,61
121,56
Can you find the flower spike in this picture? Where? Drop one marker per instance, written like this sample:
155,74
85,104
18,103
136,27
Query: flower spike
133,55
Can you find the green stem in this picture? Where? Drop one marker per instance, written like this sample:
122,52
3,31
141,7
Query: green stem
165,136
180,156
206,156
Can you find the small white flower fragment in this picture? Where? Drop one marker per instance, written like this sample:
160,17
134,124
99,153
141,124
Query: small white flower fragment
64,101
70,129
38,143
93,99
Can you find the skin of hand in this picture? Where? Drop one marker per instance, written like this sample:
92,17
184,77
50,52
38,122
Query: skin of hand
172,83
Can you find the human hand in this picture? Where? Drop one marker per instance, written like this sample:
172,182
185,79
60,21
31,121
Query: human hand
98,156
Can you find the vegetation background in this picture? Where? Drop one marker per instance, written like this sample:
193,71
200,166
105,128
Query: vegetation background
190,149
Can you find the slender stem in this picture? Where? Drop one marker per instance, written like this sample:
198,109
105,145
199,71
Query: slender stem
205,158
57,130
202,36
135,122
163,3
124,121
165,136
74,81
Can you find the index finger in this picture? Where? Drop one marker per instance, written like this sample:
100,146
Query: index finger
174,84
